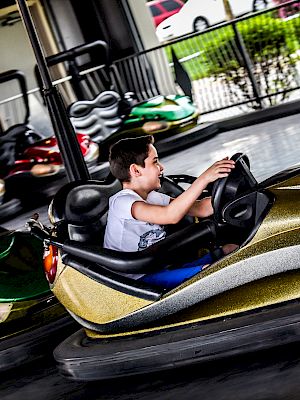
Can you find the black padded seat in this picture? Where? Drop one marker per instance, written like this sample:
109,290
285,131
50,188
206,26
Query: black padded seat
13,141
8,143
14,132
153,258
79,209
84,204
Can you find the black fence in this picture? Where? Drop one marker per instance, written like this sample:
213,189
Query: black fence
251,62
243,65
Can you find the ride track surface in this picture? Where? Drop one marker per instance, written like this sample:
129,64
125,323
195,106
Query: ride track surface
271,147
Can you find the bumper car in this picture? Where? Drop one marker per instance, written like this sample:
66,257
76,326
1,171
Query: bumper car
243,302
288,11
112,114
31,318
34,166
108,118
31,167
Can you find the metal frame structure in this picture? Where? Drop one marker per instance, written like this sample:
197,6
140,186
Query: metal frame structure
75,166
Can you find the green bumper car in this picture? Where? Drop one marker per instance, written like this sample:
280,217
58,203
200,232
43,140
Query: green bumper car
31,318
246,301
172,120
107,109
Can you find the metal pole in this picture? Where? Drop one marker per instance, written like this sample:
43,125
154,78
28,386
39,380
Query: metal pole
75,166
244,54
247,63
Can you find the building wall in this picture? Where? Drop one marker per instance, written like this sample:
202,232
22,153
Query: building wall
16,53
146,30
67,22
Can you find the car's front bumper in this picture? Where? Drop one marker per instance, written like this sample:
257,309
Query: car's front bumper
84,359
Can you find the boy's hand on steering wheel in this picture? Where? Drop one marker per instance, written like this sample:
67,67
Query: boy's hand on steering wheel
220,169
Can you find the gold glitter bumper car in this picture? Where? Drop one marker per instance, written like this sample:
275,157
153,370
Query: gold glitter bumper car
245,301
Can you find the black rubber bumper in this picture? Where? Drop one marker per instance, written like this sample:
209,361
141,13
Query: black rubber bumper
29,346
83,359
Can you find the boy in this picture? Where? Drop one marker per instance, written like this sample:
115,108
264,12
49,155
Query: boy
137,214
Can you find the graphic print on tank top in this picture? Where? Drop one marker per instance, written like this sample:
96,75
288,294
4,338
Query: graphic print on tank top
151,237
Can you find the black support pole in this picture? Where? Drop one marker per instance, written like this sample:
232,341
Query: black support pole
75,166
247,63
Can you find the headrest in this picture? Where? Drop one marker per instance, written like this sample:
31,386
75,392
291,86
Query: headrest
75,198
14,132
98,118
85,204
8,144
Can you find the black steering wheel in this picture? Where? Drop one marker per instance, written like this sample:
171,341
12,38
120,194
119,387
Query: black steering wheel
239,181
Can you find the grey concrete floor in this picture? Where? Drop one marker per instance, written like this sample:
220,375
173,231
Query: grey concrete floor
271,146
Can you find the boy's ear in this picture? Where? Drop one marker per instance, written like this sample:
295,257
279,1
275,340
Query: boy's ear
134,170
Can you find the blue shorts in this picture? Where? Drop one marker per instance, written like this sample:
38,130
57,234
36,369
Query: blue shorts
171,278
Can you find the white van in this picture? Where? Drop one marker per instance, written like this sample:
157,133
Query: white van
197,15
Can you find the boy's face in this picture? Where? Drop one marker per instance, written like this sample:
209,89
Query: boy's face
152,170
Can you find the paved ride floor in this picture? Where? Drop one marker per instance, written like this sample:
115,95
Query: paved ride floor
271,146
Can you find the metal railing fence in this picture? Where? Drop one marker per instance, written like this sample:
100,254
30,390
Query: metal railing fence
245,64
251,62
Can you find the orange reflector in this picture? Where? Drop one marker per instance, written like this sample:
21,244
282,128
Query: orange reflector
50,260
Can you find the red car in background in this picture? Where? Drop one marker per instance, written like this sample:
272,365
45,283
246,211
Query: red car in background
163,9
291,10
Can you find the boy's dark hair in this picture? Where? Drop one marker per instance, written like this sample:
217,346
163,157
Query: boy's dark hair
126,152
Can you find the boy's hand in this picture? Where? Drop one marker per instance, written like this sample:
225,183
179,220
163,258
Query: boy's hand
219,169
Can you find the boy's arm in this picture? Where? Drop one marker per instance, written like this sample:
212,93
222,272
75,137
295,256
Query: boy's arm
185,202
201,208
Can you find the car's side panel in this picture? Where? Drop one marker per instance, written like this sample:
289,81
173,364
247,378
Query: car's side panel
276,289
240,7
216,280
92,301
285,215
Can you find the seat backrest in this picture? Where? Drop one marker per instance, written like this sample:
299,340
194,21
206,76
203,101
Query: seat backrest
8,144
79,209
99,118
